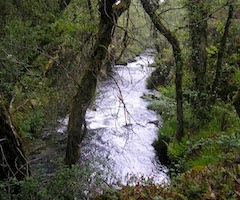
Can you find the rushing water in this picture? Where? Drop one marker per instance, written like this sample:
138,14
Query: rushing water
120,127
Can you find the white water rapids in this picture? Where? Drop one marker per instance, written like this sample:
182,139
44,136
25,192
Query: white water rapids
120,128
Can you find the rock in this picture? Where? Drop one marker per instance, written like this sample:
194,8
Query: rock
159,77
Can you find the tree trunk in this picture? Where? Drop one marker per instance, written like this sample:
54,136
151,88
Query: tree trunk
221,51
13,162
86,88
198,35
172,39
236,102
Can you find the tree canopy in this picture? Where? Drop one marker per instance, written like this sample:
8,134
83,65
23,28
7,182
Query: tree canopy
54,53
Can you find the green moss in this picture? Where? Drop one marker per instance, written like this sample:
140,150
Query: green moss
208,146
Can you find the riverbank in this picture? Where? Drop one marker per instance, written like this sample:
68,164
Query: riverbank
117,148
204,165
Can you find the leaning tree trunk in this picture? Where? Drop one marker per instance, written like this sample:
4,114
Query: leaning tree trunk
150,9
86,89
13,162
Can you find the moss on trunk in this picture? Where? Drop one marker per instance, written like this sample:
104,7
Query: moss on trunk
13,162
88,82
150,9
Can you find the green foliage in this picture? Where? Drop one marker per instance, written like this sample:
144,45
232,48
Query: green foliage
212,50
31,123
203,182
40,58
204,165
236,77
212,181
169,128
132,34
51,180
64,184
163,103
147,192
164,106
166,57
75,25
42,52
208,143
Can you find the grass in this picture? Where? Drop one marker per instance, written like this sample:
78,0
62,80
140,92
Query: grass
204,165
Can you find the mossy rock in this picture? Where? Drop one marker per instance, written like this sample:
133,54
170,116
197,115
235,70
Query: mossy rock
159,77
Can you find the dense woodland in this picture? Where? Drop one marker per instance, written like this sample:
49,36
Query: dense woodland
54,53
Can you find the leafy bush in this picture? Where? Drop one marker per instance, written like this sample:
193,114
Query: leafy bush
31,124
64,184
163,105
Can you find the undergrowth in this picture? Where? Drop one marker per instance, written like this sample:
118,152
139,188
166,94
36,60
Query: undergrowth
219,181
204,165
63,184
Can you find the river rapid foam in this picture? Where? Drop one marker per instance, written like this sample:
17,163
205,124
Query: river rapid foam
120,130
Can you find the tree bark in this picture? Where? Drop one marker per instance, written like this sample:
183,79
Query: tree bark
236,102
221,51
150,9
88,82
13,162
198,13
198,35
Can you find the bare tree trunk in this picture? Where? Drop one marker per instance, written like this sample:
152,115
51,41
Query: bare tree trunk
13,162
172,39
86,88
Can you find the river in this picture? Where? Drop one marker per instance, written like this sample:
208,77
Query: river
120,129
